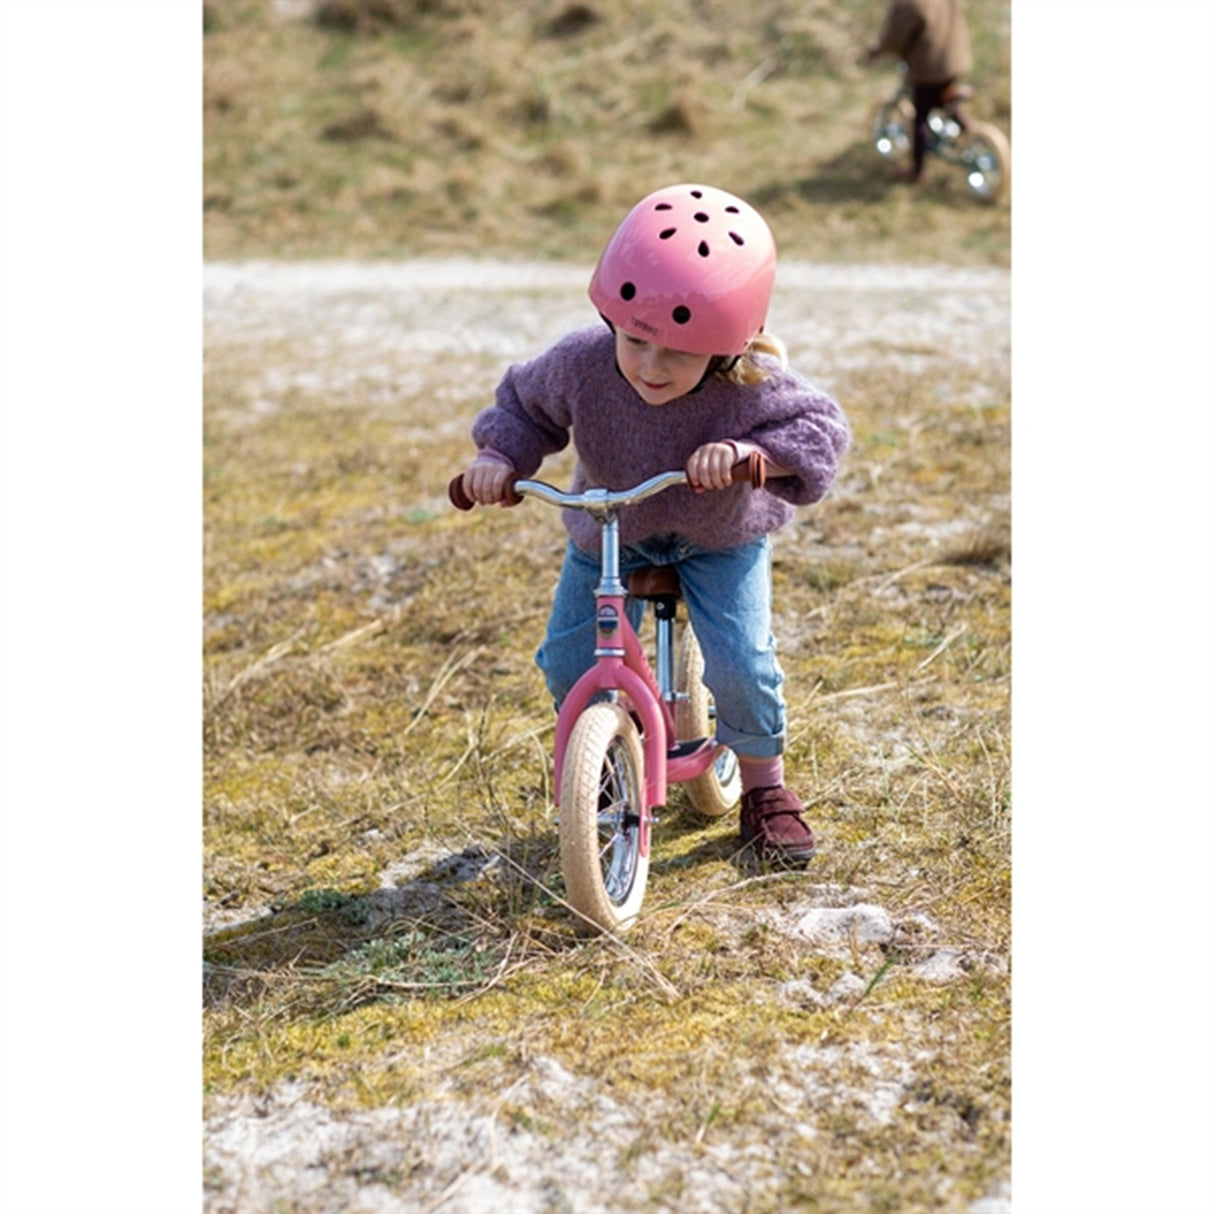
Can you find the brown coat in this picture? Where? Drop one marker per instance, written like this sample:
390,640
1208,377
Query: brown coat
930,36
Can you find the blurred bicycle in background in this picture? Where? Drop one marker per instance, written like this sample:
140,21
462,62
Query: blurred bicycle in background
981,151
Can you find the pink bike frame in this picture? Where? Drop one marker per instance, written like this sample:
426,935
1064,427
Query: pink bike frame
621,666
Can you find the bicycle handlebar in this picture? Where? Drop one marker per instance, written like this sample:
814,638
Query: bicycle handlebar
752,469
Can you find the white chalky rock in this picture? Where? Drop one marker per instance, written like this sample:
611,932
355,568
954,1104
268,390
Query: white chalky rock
942,966
864,923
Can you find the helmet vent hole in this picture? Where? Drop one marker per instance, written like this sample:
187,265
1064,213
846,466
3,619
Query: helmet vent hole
667,233
681,315
663,206
703,249
697,193
628,291
736,238
700,217
733,210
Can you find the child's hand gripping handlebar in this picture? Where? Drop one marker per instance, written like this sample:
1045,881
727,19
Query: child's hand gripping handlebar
752,469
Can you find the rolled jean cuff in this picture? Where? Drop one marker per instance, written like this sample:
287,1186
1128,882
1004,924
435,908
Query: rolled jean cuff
749,745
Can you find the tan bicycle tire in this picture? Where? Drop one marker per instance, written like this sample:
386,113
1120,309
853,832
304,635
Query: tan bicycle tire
711,796
999,152
891,128
603,747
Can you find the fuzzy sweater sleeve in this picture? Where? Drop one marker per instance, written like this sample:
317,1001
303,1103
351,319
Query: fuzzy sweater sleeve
531,414
803,429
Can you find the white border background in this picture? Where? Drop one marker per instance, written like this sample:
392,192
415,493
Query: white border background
100,510
1112,400
100,506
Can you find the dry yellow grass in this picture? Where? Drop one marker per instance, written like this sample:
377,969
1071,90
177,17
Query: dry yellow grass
377,801
493,127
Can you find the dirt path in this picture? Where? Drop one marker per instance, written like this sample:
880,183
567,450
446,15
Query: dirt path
361,330
831,317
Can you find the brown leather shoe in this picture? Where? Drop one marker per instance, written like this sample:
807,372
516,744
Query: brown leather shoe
773,825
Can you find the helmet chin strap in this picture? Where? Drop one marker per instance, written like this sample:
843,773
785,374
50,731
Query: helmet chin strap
721,362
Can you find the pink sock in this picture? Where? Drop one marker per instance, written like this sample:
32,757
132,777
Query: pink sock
761,773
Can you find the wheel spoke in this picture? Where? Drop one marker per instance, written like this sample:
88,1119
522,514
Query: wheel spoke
617,826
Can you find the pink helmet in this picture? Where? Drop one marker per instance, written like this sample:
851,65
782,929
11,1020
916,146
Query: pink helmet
690,268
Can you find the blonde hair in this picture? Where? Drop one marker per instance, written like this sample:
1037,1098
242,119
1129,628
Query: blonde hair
744,370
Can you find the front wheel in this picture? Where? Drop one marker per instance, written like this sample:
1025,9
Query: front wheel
890,127
602,800
717,791
986,160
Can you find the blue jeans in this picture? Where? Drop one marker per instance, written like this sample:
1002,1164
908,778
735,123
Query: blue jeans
728,599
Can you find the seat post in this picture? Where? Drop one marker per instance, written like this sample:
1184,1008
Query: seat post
664,609
659,585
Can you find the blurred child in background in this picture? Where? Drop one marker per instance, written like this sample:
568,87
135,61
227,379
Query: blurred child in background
932,39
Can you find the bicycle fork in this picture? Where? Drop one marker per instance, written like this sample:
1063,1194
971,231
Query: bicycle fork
620,666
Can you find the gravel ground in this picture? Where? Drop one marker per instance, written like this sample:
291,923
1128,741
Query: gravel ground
359,328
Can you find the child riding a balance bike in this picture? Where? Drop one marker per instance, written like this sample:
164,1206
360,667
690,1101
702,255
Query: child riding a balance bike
694,441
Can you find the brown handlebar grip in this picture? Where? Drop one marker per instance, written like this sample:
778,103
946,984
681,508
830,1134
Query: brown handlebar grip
753,469
461,501
455,491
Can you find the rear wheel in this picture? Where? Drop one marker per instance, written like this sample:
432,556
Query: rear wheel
890,127
986,160
602,800
717,791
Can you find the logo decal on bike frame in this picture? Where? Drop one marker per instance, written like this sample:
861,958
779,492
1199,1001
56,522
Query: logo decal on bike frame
608,621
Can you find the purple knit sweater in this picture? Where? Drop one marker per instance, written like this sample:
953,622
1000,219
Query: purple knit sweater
620,440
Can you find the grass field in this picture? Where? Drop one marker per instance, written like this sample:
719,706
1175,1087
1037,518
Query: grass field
380,864
402,128
378,811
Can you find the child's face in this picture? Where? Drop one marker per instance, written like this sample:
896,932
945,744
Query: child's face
658,375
